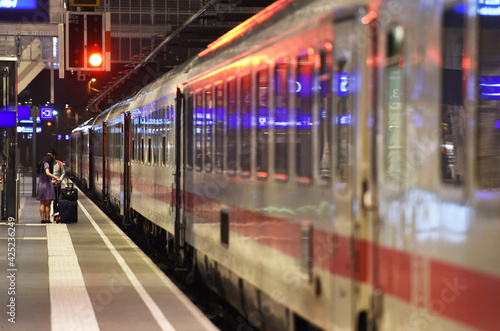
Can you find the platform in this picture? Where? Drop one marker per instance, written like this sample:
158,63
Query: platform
84,276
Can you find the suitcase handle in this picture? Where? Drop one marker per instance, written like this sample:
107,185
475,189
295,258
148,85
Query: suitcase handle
68,184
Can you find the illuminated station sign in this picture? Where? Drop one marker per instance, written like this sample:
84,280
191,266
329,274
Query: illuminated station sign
24,11
18,4
47,113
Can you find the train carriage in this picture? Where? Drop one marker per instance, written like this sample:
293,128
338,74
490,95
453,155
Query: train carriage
80,153
327,165
252,139
97,136
117,158
153,171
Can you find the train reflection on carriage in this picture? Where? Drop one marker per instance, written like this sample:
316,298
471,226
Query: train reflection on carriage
325,165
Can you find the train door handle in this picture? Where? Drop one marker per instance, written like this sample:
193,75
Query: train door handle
171,197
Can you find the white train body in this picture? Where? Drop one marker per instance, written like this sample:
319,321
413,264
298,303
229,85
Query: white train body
331,164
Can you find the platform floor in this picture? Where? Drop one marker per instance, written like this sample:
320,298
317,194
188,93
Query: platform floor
84,276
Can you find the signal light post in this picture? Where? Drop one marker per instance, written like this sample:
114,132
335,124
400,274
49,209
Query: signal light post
88,41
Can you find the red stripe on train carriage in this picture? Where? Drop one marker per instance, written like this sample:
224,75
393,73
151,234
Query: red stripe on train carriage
458,293
465,295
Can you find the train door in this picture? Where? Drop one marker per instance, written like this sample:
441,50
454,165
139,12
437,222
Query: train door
180,165
126,159
355,220
344,115
79,156
390,258
92,145
104,163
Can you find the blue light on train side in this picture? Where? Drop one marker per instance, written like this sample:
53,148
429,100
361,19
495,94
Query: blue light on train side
304,121
220,114
232,121
66,137
281,118
344,119
460,8
489,7
262,124
489,87
342,84
246,121
323,114
199,117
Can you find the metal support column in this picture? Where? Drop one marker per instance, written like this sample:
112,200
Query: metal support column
8,71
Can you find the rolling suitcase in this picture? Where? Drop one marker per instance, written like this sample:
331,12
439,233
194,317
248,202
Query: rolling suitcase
68,205
68,211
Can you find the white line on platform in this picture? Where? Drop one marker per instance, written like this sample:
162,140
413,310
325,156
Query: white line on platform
152,306
202,319
70,305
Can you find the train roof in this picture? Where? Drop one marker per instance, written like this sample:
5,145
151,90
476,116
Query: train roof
113,111
166,84
279,18
84,126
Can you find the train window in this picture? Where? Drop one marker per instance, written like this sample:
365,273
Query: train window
166,136
303,114
199,121
488,112
262,127
325,101
245,132
154,143
133,149
189,131
219,129
232,127
281,121
141,138
164,150
452,108
150,151
122,141
342,121
208,129
394,106
171,138
142,150
134,138
158,136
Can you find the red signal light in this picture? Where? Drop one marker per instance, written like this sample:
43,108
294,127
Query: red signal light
95,59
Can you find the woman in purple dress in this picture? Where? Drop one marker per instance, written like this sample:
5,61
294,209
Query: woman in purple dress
45,192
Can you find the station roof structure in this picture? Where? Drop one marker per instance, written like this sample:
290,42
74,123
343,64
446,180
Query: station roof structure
137,28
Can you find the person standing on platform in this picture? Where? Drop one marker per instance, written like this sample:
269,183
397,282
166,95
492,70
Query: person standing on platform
45,193
58,171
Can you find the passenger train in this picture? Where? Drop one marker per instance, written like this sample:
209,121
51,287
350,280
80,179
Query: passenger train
326,165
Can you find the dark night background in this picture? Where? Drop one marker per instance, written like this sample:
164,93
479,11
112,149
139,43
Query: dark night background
68,91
